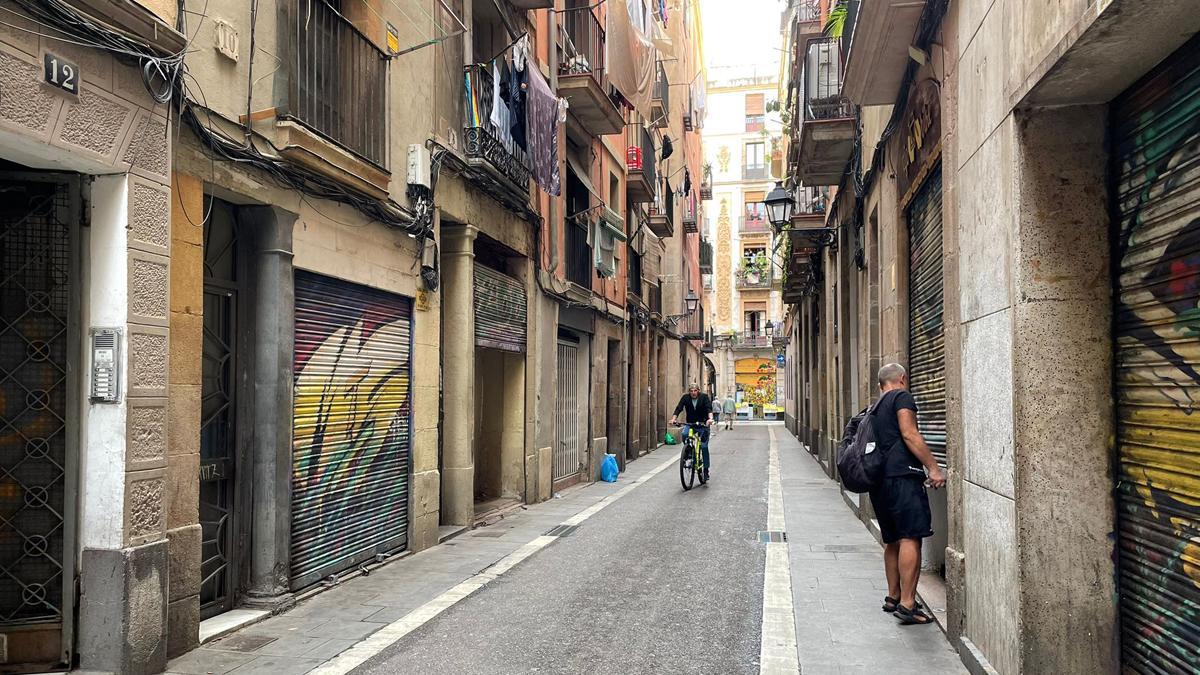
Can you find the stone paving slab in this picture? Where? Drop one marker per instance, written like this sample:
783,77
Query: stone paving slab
838,584
321,627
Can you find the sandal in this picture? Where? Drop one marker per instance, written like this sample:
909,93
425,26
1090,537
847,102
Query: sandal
914,616
890,604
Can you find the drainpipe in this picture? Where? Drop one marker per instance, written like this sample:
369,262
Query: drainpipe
553,200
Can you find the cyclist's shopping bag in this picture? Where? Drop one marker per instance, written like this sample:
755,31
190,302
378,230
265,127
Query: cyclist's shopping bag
609,469
860,463
669,439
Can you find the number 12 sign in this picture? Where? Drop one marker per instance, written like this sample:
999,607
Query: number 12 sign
61,73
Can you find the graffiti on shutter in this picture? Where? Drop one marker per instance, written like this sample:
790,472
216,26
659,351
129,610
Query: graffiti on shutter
499,311
352,426
927,355
1156,153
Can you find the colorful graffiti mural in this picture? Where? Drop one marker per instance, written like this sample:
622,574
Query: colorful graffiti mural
1157,152
351,433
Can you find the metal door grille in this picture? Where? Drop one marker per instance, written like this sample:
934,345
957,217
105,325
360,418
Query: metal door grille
568,456
926,334
218,430
352,426
36,309
1156,154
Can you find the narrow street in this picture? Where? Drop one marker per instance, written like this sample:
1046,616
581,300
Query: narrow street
666,582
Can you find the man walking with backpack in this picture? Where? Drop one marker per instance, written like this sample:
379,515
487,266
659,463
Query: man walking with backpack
900,501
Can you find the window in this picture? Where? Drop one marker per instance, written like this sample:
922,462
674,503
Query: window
755,209
755,109
614,193
755,155
752,252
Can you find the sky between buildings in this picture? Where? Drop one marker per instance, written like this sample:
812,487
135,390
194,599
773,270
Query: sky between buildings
741,37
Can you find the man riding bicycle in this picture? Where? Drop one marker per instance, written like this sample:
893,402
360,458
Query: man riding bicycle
699,417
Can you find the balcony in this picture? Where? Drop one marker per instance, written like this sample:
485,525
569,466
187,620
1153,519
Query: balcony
691,211
809,209
655,299
753,340
710,341
706,188
758,225
827,131
798,274
754,172
750,280
660,105
693,325
579,256
336,116
879,52
662,214
487,147
706,257
581,77
640,162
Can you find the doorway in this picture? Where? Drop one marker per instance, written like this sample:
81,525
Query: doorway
219,446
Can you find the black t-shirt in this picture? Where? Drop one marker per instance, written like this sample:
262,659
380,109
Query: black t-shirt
698,410
900,460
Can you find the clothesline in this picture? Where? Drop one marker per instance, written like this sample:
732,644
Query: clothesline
508,47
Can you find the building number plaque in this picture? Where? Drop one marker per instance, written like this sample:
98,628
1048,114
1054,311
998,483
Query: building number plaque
61,73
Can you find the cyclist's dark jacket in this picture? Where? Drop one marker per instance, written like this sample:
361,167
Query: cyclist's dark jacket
697,414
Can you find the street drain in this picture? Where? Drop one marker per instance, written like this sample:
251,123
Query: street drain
562,531
772,536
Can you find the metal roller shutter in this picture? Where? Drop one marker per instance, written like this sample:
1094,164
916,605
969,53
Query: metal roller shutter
500,311
926,334
352,423
1156,153
568,456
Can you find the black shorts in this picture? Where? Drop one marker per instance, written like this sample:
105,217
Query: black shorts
902,508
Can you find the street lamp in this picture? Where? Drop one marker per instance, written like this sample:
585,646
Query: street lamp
779,205
691,302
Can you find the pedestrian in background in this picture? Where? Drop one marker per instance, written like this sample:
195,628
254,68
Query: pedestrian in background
730,407
718,407
900,501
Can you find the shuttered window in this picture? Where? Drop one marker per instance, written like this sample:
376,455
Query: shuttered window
754,104
926,334
1156,162
351,426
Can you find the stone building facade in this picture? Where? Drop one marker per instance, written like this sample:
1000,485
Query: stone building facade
1009,224
255,299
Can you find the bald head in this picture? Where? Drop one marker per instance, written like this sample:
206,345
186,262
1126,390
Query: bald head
892,376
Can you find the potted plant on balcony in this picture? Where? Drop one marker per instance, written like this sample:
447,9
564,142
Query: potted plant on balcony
753,268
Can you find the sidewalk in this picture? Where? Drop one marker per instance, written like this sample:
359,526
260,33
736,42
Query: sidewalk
320,628
838,583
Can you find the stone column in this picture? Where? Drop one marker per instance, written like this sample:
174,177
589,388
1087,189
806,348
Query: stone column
270,230
458,373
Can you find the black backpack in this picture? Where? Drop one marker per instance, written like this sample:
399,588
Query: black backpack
860,462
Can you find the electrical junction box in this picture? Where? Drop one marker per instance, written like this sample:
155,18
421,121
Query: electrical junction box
418,165
106,365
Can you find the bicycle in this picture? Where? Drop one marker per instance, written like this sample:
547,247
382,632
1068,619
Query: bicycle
691,460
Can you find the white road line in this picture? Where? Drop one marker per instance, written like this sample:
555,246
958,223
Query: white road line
393,632
778,652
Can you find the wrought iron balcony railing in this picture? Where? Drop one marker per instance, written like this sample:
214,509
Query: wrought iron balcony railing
337,81
483,140
823,67
579,256
582,44
749,280
753,225
754,172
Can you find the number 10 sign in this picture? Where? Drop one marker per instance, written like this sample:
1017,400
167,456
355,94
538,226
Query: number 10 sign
61,73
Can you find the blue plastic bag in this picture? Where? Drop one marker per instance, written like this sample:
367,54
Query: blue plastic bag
609,469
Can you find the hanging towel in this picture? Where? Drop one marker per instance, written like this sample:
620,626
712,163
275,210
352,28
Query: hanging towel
543,132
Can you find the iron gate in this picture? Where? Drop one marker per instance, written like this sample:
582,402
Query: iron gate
926,334
38,328
352,426
1156,153
568,456
218,429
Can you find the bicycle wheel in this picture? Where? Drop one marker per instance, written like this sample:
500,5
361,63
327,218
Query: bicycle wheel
701,467
687,467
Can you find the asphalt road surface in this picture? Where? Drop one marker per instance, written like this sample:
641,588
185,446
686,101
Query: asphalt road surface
663,581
